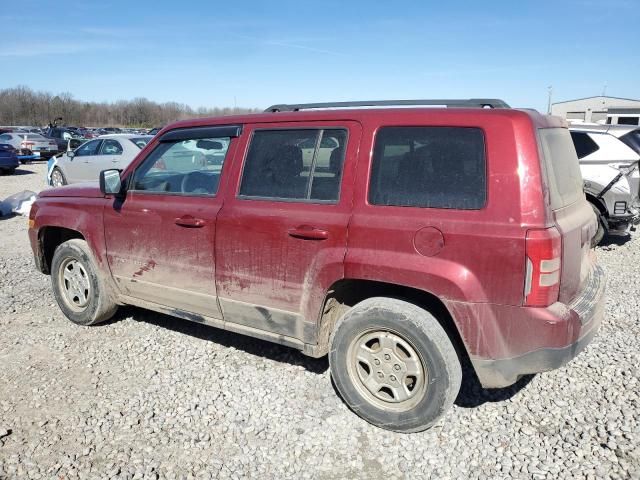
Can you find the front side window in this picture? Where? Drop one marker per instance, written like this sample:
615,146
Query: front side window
187,167
111,147
302,164
89,148
431,167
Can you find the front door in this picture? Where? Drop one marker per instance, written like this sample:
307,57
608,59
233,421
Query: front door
161,237
80,166
282,233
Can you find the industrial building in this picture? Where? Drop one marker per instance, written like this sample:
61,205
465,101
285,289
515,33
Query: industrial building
612,110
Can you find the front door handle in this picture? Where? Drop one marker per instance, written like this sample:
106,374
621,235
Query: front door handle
308,232
190,222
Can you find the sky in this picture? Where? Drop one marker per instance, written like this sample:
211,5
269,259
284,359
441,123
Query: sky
256,53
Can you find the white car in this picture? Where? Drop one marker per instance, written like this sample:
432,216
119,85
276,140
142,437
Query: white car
87,161
30,144
611,178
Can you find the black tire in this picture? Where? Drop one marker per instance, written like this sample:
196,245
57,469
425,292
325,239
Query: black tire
8,171
395,321
56,170
95,303
602,227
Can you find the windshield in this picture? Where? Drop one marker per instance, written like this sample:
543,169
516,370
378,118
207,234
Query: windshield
33,136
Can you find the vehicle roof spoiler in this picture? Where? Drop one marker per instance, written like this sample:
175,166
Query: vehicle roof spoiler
449,103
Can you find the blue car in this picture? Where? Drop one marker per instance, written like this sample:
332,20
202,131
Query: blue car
8,158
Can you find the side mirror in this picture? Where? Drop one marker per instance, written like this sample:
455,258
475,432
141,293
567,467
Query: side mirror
110,183
71,154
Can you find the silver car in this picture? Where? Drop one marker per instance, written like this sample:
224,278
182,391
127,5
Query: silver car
30,144
87,161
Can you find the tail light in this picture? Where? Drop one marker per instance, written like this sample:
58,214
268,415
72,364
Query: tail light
542,281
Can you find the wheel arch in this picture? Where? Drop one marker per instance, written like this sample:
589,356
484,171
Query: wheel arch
48,240
345,293
598,203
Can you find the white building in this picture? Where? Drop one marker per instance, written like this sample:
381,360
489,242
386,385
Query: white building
612,110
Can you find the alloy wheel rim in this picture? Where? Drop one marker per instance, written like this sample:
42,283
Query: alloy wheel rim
387,370
56,179
76,287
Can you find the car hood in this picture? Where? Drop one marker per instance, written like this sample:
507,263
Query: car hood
86,190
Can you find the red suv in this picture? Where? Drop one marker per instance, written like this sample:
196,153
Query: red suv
398,241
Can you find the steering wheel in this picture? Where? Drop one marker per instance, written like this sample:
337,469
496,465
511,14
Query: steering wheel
196,182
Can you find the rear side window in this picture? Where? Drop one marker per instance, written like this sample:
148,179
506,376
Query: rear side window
584,144
561,162
301,164
432,167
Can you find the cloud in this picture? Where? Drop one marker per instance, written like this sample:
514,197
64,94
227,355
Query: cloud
296,43
33,49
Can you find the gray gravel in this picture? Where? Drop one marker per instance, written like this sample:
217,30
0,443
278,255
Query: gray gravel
149,396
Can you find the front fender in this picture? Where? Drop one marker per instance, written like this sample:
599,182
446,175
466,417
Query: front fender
68,213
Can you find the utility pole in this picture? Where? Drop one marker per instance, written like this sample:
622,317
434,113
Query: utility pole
549,95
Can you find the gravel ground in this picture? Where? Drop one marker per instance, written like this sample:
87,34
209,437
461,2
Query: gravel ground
149,396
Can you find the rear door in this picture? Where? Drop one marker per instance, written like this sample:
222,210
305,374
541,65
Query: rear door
573,215
282,233
111,153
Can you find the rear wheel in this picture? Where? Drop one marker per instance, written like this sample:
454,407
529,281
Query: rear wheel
57,178
394,364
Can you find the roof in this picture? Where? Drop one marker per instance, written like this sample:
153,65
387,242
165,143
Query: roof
615,130
365,115
124,135
597,96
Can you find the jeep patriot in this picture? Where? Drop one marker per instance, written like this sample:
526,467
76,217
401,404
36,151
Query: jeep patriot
397,241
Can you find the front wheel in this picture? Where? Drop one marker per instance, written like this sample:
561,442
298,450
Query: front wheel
394,365
57,178
602,227
78,286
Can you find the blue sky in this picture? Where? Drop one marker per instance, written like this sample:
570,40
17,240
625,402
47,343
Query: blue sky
254,53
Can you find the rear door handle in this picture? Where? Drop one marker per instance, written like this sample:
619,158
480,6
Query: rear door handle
308,232
190,222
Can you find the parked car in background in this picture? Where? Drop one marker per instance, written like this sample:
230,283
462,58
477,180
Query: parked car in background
85,162
400,242
8,158
611,178
30,144
65,139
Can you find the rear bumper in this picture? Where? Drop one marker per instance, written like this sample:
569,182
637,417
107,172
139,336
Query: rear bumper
9,163
515,341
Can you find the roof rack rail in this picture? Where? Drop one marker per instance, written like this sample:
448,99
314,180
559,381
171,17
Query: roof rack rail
459,103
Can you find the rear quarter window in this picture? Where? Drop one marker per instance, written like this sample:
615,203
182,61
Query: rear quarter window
561,166
429,167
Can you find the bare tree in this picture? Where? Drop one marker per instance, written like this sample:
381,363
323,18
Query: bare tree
22,106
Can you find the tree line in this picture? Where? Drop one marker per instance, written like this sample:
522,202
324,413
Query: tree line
24,106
